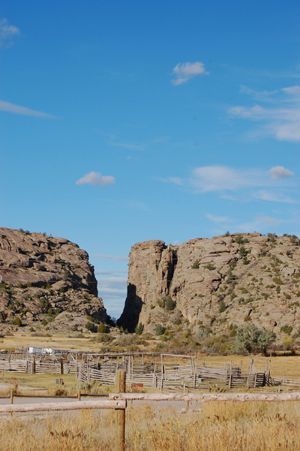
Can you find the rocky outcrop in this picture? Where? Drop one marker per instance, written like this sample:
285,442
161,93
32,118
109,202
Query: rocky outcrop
45,281
216,284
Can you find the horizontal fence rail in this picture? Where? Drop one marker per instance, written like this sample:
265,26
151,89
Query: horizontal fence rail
163,372
59,406
294,396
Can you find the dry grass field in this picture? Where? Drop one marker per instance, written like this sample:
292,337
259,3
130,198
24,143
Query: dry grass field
280,366
215,426
288,366
16,341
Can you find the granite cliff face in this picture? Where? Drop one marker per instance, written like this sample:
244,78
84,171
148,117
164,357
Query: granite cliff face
216,285
45,282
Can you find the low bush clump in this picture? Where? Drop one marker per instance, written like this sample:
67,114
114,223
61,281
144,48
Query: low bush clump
251,339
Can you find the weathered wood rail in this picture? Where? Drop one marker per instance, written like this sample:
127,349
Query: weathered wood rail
119,405
168,376
32,364
207,397
162,372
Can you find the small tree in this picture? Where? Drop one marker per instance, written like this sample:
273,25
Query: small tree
252,339
170,304
103,328
91,327
139,329
159,329
222,307
17,321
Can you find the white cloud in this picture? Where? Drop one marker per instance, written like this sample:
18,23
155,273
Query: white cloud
292,90
259,224
95,178
258,95
183,72
172,180
281,120
7,33
109,257
22,110
113,288
280,172
113,140
217,219
223,178
269,196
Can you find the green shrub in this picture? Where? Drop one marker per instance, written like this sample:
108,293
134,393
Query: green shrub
222,307
17,321
196,264
252,339
286,329
167,303
241,240
244,252
139,329
103,328
91,327
203,332
272,237
170,304
159,329
103,338
210,266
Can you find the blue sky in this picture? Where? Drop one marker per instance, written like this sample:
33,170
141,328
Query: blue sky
128,121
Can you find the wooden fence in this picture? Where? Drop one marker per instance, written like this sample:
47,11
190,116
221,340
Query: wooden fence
31,364
162,372
118,402
169,376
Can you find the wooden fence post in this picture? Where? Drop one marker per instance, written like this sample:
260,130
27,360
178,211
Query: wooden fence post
12,396
230,376
120,388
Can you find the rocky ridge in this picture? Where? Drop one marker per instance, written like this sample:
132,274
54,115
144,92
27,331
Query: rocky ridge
45,282
216,285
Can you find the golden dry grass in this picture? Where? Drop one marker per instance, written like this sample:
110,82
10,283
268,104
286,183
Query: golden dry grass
288,366
57,341
217,426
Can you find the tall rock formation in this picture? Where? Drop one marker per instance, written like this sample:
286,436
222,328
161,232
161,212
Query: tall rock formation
45,281
216,284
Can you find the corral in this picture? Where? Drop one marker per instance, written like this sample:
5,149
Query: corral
151,371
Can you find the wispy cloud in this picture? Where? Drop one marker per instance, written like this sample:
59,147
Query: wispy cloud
113,140
9,107
95,178
280,172
270,196
224,178
243,184
113,288
217,219
184,72
259,224
280,119
7,33
172,180
110,257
